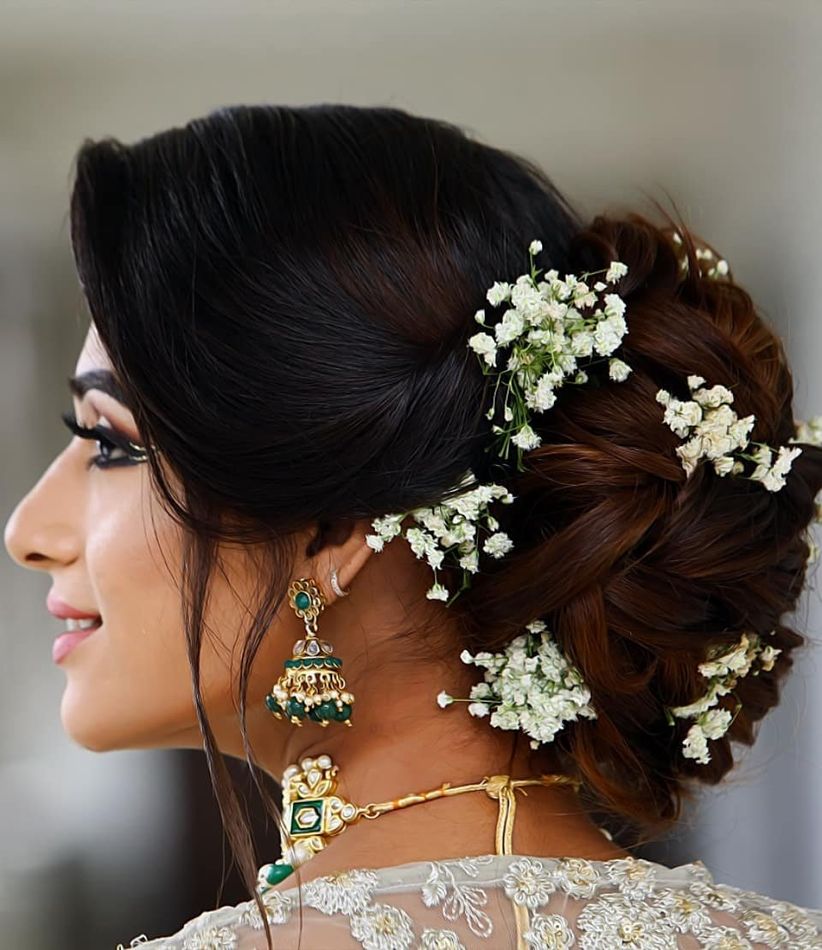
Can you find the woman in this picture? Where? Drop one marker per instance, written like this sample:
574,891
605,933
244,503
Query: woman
313,326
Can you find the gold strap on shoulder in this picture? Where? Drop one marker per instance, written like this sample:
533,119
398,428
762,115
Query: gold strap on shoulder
502,788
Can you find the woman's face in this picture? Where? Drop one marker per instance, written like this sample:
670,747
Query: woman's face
111,550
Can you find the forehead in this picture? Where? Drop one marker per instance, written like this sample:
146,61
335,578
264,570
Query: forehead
92,355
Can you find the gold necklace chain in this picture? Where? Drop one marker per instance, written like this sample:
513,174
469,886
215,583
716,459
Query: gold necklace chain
498,787
314,812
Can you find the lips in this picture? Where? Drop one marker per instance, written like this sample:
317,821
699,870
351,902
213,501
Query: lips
57,607
66,642
75,632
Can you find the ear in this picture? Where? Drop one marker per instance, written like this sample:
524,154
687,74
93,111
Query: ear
343,549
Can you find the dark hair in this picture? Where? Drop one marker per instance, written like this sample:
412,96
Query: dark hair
286,294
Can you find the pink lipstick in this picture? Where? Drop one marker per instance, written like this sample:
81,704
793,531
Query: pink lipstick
80,624
67,641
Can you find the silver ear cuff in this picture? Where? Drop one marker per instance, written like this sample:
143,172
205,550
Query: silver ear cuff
335,584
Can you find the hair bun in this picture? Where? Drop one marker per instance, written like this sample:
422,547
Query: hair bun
641,572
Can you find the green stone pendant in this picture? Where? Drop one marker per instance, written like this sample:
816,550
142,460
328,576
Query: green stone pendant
270,875
313,813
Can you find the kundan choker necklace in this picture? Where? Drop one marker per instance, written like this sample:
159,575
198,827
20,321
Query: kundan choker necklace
313,812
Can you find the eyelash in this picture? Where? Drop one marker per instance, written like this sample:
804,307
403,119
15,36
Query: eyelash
108,439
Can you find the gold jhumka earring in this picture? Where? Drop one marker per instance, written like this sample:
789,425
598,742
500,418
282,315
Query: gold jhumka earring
312,686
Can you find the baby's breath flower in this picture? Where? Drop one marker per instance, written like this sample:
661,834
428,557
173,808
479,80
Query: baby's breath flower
499,292
695,745
498,544
437,592
444,699
768,656
526,438
550,324
715,723
714,431
723,669
450,529
616,272
618,370
721,269
485,346
530,685
809,431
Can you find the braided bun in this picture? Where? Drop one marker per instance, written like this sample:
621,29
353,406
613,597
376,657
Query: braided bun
638,570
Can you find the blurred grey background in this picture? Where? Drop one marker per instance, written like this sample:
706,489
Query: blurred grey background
714,104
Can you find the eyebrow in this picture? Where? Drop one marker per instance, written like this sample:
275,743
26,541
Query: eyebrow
101,379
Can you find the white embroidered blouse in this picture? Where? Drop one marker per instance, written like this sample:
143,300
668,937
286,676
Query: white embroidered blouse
495,902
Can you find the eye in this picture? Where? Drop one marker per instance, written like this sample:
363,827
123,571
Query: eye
109,441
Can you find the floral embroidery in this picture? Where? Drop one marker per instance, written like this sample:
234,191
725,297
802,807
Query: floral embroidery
573,904
464,900
776,923
686,913
528,883
440,940
277,910
347,892
549,932
577,877
715,896
382,927
726,938
212,938
636,878
764,928
616,920
793,920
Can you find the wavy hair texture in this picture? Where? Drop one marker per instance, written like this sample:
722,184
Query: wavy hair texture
286,294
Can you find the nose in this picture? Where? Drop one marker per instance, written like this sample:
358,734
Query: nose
40,533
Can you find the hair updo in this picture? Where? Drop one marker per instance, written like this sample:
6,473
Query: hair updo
286,294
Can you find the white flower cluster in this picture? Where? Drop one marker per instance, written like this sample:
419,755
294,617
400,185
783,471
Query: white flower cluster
810,431
452,526
530,686
710,265
715,432
723,671
551,324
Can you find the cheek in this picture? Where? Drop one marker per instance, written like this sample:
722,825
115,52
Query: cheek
129,683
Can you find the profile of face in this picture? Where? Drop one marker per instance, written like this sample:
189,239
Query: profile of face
94,523
97,530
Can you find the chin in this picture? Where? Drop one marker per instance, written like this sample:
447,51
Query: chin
100,728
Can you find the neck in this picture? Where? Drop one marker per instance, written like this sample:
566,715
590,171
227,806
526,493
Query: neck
385,757
400,741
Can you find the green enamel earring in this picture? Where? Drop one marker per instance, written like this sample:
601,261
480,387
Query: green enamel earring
312,685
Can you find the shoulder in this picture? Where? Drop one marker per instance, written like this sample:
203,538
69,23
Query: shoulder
488,899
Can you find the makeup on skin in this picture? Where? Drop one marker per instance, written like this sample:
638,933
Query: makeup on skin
115,450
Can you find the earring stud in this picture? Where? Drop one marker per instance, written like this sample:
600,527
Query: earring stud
335,584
